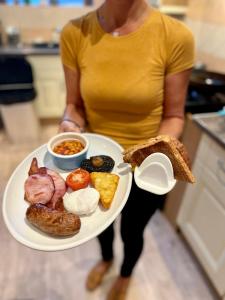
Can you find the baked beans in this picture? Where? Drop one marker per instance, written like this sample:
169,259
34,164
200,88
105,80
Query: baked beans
68,147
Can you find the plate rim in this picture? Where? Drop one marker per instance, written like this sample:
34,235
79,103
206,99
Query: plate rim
72,244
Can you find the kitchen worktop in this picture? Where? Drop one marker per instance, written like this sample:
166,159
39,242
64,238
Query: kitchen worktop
213,124
28,50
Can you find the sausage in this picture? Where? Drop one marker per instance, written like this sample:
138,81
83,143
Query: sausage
58,206
53,222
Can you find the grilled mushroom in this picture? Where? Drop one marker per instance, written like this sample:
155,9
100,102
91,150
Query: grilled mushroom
99,163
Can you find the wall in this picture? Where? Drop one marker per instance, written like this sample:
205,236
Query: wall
36,23
40,22
206,18
174,2
163,2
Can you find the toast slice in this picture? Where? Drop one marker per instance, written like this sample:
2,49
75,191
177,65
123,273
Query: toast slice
106,184
168,145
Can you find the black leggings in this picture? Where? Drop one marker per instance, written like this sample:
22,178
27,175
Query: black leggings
138,210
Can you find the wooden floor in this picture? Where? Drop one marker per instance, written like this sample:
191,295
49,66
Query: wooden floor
166,270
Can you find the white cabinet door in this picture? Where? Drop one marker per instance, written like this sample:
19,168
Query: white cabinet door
50,85
202,221
50,100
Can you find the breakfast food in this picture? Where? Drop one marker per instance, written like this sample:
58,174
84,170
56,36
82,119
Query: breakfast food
78,179
82,202
68,147
58,206
171,147
60,188
53,222
43,185
58,216
106,184
44,189
99,163
39,188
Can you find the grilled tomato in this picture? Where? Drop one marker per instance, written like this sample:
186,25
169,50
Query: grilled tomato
78,179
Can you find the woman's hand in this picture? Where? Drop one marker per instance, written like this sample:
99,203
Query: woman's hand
69,125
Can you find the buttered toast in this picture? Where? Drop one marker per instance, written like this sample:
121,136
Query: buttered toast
168,145
106,184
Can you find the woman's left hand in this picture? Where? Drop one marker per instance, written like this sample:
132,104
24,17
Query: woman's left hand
67,125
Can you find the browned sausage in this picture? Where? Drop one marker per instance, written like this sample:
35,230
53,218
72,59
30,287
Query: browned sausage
58,223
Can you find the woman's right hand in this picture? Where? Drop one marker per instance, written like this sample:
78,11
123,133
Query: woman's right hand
66,126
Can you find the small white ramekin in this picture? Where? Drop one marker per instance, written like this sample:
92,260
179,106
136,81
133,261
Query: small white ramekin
68,162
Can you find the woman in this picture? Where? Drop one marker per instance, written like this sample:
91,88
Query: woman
127,68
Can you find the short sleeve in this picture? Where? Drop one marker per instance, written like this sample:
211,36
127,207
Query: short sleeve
181,50
69,45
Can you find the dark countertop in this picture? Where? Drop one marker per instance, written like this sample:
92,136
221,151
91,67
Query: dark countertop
28,50
213,124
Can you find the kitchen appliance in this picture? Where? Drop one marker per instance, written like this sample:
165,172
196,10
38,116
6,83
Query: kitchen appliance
155,3
1,34
13,36
209,82
88,2
206,92
16,95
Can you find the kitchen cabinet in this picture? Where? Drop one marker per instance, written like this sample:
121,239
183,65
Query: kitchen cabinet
50,85
173,200
201,217
176,11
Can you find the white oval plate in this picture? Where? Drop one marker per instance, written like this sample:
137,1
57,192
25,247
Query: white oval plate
14,206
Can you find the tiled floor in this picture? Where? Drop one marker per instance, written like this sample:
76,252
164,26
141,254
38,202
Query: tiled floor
166,270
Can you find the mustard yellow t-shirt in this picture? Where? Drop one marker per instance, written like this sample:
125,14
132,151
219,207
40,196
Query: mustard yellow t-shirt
122,78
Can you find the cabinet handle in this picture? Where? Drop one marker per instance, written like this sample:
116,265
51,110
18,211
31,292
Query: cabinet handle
221,169
16,86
